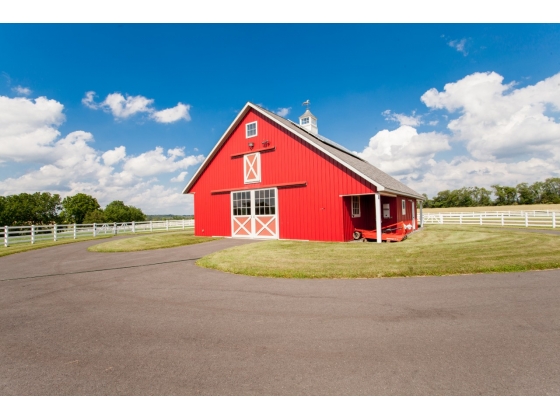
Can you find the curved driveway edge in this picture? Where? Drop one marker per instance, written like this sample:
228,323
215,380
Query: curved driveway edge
166,326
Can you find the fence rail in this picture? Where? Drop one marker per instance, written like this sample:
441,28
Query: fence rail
528,219
31,234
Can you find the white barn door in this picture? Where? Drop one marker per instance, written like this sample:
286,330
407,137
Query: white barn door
254,214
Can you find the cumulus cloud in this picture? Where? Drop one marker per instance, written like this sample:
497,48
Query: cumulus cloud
404,151
111,157
23,91
89,100
180,177
157,162
170,115
510,135
459,45
124,106
283,112
402,119
496,120
28,128
70,164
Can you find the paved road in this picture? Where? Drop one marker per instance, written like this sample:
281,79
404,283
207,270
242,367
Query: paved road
165,326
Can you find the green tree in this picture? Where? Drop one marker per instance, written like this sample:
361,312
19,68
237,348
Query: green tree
75,207
95,216
551,191
31,209
504,195
526,194
118,212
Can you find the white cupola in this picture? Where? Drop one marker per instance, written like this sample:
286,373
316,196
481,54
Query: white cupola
308,120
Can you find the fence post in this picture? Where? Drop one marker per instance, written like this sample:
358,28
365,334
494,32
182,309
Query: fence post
151,226
441,219
114,228
94,230
553,220
481,219
133,227
502,219
75,231
183,224
167,225
6,234
55,228
526,219
32,234
461,219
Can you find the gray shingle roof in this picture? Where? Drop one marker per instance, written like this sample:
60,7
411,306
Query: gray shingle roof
360,166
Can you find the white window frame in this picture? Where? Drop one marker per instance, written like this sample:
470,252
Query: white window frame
305,120
247,136
359,206
403,207
258,168
388,208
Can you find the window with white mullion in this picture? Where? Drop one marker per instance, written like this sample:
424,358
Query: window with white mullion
251,129
355,206
403,206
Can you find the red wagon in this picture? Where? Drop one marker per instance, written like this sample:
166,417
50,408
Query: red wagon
392,233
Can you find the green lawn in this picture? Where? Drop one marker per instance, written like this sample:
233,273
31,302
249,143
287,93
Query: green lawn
153,241
23,247
435,250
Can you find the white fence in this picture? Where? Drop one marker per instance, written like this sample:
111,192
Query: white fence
528,219
35,233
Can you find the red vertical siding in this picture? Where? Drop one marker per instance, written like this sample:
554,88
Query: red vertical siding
313,212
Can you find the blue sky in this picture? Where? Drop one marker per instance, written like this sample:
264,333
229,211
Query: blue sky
164,94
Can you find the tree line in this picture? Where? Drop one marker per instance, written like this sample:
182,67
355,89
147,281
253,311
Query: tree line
547,192
46,208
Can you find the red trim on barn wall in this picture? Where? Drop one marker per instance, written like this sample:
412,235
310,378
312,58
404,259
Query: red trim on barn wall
268,149
313,213
286,185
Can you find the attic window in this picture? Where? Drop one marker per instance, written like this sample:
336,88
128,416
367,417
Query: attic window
251,129
305,120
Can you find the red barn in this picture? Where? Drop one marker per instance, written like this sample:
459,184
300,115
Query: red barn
269,177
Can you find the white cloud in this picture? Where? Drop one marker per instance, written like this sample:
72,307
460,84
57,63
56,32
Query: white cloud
180,177
111,157
283,112
170,115
459,45
510,133
28,127
89,101
403,151
124,107
402,119
496,120
70,164
156,162
23,91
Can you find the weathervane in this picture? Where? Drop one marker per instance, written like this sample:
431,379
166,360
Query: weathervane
306,103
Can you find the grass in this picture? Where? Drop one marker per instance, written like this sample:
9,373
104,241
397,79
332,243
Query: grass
519,207
153,241
23,247
435,250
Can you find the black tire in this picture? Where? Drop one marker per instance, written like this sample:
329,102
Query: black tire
364,240
357,235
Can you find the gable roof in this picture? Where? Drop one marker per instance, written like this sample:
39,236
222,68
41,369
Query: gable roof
365,170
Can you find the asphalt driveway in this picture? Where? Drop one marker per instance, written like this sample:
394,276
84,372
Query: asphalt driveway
73,322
